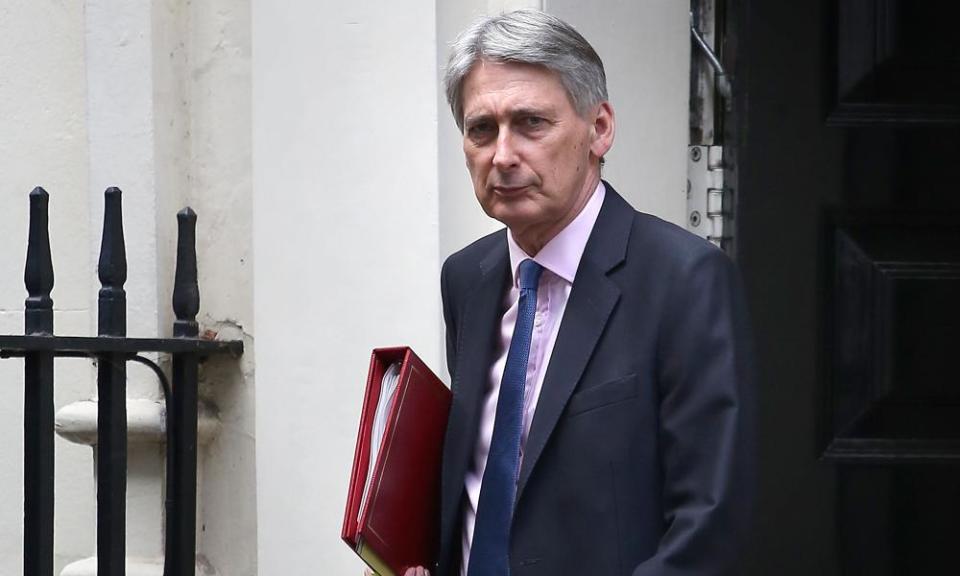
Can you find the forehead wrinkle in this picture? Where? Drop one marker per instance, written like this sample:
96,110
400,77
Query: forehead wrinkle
517,103
485,97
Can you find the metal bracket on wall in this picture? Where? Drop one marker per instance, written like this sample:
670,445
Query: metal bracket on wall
709,203
723,81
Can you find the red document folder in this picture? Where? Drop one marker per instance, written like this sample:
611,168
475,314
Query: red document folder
398,526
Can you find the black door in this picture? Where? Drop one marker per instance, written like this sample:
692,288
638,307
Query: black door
846,138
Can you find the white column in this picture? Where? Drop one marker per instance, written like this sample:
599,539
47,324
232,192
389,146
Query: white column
217,81
345,247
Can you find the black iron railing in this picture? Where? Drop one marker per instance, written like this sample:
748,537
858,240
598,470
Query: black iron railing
111,349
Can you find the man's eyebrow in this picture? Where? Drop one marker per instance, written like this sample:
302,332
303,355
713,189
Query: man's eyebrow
523,112
530,111
476,118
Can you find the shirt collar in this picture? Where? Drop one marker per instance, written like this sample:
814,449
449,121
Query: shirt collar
561,255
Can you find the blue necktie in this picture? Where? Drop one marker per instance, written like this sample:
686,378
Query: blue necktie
491,535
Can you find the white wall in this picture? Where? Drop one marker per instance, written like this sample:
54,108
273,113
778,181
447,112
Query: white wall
360,191
345,247
43,141
220,176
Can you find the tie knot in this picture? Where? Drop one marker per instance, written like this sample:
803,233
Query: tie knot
529,274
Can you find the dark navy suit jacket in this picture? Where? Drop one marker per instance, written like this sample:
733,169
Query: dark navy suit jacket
640,457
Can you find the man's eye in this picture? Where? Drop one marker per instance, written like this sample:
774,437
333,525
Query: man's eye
479,131
533,121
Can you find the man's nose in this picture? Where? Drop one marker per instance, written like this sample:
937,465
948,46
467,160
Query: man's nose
505,155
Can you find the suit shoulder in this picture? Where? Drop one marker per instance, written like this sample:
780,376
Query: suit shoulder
670,242
461,262
654,241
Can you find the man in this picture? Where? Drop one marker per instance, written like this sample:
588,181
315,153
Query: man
602,413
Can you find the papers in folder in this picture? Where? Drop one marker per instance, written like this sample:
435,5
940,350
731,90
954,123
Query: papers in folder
388,391
393,504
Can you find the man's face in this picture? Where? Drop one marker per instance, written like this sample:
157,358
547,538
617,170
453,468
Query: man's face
533,160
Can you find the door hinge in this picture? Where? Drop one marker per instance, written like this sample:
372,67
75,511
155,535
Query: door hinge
709,202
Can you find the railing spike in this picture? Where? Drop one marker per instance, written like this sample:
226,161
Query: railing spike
186,292
38,273
112,268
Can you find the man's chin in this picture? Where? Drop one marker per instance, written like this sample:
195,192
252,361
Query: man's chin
513,217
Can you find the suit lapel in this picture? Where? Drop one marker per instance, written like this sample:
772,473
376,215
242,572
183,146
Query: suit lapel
477,333
591,302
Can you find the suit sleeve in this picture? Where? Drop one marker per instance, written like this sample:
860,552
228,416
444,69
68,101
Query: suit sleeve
707,422
448,320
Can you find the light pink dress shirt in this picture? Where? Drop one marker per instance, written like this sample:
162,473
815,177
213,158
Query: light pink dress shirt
560,258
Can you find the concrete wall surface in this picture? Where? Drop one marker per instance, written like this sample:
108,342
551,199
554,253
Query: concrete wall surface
345,247
43,142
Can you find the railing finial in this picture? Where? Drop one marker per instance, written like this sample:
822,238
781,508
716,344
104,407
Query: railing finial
38,273
112,268
186,292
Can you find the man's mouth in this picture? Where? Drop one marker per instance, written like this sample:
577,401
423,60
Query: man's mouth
509,190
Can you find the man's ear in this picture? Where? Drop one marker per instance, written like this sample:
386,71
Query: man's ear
603,130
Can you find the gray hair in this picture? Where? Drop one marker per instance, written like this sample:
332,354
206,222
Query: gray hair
528,37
